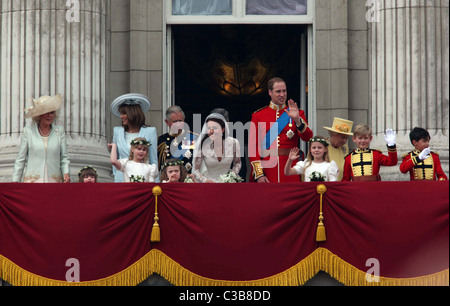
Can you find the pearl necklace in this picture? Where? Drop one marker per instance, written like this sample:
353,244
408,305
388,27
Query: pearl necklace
44,135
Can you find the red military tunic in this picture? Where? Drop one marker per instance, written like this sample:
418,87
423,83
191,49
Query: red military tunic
365,164
271,163
428,169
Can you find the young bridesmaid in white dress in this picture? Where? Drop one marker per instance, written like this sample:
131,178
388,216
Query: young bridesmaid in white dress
135,168
317,165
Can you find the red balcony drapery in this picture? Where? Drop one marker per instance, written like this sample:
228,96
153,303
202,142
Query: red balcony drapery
224,233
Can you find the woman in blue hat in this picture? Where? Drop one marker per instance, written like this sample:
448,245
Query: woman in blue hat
131,109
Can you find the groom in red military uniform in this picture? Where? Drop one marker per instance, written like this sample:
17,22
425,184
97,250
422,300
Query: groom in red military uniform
274,130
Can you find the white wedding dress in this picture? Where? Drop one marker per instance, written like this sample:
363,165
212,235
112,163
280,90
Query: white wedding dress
208,167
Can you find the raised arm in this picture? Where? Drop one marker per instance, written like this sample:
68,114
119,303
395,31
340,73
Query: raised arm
293,155
113,156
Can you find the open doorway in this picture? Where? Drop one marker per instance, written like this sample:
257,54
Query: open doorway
228,66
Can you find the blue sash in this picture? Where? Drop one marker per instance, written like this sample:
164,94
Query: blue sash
275,130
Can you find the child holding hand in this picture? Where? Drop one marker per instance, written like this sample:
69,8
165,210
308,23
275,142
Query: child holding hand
317,165
135,168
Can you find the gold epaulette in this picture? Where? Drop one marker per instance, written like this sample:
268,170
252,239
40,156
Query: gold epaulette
406,154
350,153
161,146
258,110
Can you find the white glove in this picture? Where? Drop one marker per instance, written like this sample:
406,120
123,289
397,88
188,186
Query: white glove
424,154
389,137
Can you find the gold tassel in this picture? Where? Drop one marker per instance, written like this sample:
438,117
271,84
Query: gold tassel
156,232
320,234
156,261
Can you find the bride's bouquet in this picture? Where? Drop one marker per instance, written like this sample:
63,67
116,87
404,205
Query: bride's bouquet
137,179
316,177
188,179
230,177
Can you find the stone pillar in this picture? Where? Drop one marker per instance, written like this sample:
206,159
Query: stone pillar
410,75
49,48
332,63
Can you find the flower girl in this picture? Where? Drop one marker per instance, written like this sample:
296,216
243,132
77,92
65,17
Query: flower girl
136,167
173,171
317,165
87,174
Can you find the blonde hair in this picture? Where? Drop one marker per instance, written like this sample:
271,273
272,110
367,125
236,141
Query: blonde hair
322,140
362,130
146,158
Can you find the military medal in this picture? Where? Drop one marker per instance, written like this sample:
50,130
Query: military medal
290,134
188,154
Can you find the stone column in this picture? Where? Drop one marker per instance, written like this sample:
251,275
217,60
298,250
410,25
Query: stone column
50,47
410,75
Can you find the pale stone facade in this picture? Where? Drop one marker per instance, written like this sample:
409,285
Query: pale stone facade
410,74
44,52
389,74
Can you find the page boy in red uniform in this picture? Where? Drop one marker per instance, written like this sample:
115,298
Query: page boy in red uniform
418,162
363,164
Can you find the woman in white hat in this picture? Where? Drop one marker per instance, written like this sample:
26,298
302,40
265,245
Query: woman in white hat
131,109
43,156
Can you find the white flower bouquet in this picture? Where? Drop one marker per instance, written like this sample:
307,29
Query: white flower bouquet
230,177
137,179
188,179
316,177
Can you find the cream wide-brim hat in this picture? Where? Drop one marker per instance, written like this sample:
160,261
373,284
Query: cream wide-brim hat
130,99
43,105
341,126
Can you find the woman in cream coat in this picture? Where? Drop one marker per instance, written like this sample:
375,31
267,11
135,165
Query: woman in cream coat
43,156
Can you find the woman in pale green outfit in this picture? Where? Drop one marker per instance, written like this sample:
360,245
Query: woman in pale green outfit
43,156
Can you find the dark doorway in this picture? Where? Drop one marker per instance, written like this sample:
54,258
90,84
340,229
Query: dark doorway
228,66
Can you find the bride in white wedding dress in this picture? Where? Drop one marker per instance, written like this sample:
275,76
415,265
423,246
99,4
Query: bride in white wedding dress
215,152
